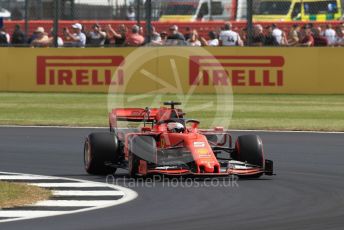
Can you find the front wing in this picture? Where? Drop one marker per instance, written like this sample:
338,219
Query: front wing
233,168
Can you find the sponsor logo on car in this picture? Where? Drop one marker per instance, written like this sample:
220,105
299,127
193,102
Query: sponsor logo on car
199,144
251,71
203,152
80,70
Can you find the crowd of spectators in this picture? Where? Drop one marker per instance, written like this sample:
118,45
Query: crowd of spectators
271,35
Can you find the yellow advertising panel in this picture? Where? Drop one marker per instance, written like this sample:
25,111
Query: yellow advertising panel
153,69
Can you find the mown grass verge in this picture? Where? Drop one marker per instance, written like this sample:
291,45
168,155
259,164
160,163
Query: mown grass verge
282,112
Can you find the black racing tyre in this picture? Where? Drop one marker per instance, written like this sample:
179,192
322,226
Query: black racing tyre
249,148
141,148
100,148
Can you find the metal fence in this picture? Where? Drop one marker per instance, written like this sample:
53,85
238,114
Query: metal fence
286,10
282,10
116,9
146,13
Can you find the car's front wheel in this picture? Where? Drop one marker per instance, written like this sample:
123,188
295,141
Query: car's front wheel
249,149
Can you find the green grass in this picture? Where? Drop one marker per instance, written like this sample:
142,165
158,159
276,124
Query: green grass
287,112
14,194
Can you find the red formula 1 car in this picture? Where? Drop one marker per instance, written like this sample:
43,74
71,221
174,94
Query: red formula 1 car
170,144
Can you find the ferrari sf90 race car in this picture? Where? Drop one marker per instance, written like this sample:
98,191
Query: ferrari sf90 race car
170,144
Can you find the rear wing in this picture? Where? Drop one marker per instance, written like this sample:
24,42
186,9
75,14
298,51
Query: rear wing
143,115
132,114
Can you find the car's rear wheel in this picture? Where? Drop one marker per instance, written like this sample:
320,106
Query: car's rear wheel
99,149
249,149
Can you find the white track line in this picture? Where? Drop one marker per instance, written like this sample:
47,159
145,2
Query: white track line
88,193
127,195
284,131
69,185
71,203
23,177
29,214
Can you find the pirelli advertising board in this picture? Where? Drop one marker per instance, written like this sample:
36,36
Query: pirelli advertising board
130,70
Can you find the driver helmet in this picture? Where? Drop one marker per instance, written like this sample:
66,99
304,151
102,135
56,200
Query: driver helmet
175,127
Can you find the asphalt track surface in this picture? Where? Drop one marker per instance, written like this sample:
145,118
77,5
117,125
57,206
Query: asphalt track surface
307,192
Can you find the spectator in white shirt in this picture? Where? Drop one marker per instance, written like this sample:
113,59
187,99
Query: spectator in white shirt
228,37
330,34
78,38
340,35
213,39
155,38
193,40
277,34
4,37
131,16
60,42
